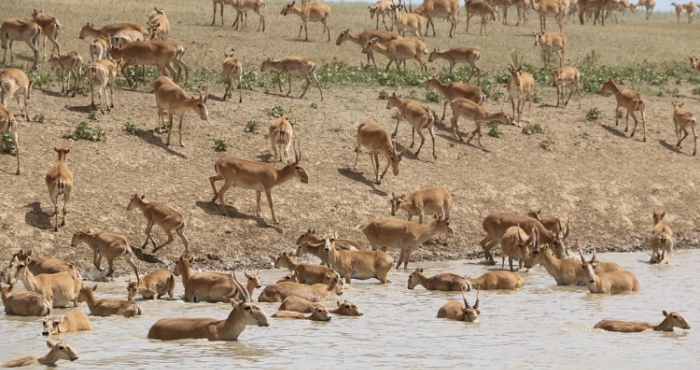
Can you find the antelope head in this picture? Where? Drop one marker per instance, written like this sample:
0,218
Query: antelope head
396,202
471,314
538,37
369,45
51,325
658,217
62,351
349,308
397,156
299,171
589,267
250,313
414,278
394,101
677,320
253,279
442,223
609,86
85,31
515,72
288,7
525,244
136,200
433,55
342,37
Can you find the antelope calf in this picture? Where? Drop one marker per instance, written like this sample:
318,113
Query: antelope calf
314,293
361,265
454,310
232,68
558,227
18,29
383,7
483,9
107,31
204,286
105,72
398,50
550,42
159,24
255,176
433,200
8,125
159,53
661,239
683,120
99,49
281,136
609,282
515,245
309,12
567,76
296,304
362,38
45,265
294,66
373,137
456,55
406,235
463,107
172,97
107,245
243,314
24,303
407,22
74,321
306,273
163,216
496,224
153,286
72,62
13,83
447,282
520,87
242,6
59,351
497,280
253,283
50,27
107,307
417,115
60,288
552,8
631,101
671,320
317,314
455,90
126,37
59,180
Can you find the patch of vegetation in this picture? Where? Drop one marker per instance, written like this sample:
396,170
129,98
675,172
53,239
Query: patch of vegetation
253,126
383,95
39,118
130,128
395,114
86,132
94,116
164,127
533,129
547,145
412,94
696,91
276,111
586,135
536,98
220,145
8,143
620,113
593,114
313,106
495,130
292,121
433,96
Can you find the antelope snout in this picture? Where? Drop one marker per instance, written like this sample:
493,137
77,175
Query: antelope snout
45,333
74,358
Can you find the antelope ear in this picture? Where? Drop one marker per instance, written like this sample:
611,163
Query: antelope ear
312,308
29,260
420,270
94,288
49,344
665,313
338,302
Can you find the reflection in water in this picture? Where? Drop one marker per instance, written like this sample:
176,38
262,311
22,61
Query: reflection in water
544,326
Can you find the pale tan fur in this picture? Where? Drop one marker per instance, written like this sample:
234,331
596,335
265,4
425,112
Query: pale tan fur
44,265
407,22
661,241
294,66
281,137
459,54
515,245
99,49
447,282
382,7
558,227
232,67
417,115
648,5
109,30
71,62
153,286
520,87
148,53
125,37
296,304
609,282
362,38
74,321
550,42
18,29
261,177
406,235
671,320
107,245
60,288
242,6
564,271
222,3
463,107
496,224
13,83
691,8
455,90
165,217
441,9
552,8
59,180
361,265
253,283
59,351
107,307
309,12
455,310
204,286
171,97
9,126
374,138
310,243
683,120
24,303
567,76
317,314
105,72
243,314
497,280
314,293
398,50
429,200
481,8
158,22
50,27
307,273
631,101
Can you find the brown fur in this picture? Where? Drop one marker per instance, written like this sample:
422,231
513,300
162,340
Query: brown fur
107,307
417,115
74,321
153,286
163,216
447,282
671,320
59,351
501,280
60,288
314,293
204,286
360,265
455,90
24,303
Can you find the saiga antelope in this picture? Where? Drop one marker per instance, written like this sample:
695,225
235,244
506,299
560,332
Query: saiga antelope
99,49
671,320
361,265
683,120
373,137
159,53
428,200
204,286
607,283
107,307
463,107
72,62
318,313
111,29
153,286
455,90
107,245
631,101
305,273
483,9
24,303
172,97
382,7
281,136
256,176
105,72
59,351
496,224
407,22
163,216
442,9
398,50
520,87
550,42
567,76
362,38
45,265
309,12
60,288
497,280
459,55
454,310
315,293
558,227
294,66
552,8
444,282
661,239
8,126
691,8
417,115
17,29
296,304
72,322
242,6
158,25
59,180
648,6
232,68
564,271
515,245
222,3
13,83
50,27
679,8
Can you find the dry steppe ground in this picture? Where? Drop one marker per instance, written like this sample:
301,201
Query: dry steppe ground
604,182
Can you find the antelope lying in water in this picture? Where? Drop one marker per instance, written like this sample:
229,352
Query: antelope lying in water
44,265
318,313
153,286
503,280
672,320
204,286
107,307
24,303
314,293
243,314
360,265
296,304
607,283
564,271
307,273
454,310
60,288
59,351
74,321
445,282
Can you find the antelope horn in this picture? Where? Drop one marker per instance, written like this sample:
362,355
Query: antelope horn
511,62
442,212
464,296
533,237
595,256
568,228
476,304
520,238
521,60
239,286
580,252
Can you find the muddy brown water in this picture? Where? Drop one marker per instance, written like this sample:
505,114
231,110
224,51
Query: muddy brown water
543,326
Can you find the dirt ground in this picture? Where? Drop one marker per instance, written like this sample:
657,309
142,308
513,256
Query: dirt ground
606,183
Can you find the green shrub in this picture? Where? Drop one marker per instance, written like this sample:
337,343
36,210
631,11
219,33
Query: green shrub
93,116
130,128
533,129
220,145
39,118
8,143
433,96
253,126
383,95
86,132
495,130
164,127
276,111
593,114
547,145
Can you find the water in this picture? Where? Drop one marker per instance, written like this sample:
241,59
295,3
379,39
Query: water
543,326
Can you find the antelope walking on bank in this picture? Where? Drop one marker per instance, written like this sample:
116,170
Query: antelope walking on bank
683,120
661,240
455,90
172,97
429,200
232,68
417,115
107,245
463,107
165,217
309,12
50,27
456,55
13,83
18,29
362,38
281,136
398,51
294,66
373,137
104,72
59,180
550,42
520,87
567,76
631,101
71,62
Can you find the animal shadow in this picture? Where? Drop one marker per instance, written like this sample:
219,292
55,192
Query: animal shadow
357,176
213,209
150,137
670,146
613,130
146,257
37,217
